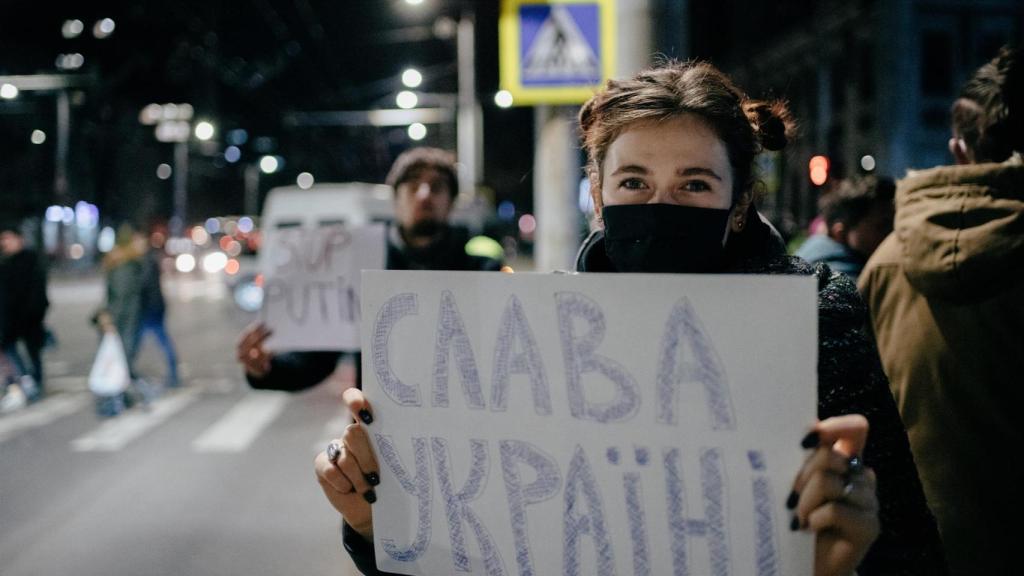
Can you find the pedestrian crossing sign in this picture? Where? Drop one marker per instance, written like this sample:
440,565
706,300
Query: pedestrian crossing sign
556,51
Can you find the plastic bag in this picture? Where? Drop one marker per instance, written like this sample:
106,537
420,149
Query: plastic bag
109,374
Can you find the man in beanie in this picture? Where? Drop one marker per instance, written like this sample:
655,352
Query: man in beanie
425,185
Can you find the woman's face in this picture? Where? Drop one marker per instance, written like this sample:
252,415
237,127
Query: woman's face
676,161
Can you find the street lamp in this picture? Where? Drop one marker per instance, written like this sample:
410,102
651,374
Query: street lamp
173,125
503,98
468,115
305,180
269,164
103,28
72,28
412,78
406,99
417,131
8,91
204,130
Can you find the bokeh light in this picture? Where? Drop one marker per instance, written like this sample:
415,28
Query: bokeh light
503,98
185,263
200,236
406,99
412,78
417,131
527,224
214,262
268,164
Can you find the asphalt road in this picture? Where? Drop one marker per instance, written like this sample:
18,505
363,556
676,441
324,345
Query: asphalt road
212,479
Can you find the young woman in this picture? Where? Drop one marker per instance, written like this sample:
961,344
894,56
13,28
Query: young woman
671,170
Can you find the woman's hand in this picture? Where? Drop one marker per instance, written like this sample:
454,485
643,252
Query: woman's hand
834,495
348,471
250,351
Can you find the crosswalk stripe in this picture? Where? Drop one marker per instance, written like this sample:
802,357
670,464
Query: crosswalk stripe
237,429
116,433
41,414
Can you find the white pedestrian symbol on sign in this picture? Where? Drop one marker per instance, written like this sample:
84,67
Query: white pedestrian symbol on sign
560,51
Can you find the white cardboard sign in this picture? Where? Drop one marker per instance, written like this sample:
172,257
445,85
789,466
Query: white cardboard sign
588,424
311,284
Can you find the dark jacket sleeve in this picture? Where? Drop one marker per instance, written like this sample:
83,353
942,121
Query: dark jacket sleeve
851,381
361,551
296,371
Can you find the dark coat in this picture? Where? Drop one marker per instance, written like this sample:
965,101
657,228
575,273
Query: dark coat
23,297
124,271
152,297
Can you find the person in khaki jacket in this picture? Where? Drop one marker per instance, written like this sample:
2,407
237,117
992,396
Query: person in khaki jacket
946,294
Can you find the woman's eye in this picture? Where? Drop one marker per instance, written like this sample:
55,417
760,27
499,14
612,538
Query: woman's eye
633,184
696,186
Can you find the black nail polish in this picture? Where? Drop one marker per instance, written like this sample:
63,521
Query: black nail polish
792,500
365,416
794,524
811,440
373,478
370,496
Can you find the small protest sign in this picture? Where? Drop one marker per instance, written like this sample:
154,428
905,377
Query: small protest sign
588,424
311,284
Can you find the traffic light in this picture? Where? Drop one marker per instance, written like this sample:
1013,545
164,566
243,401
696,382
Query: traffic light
819,170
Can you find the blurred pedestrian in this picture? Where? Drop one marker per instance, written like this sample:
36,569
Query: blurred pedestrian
124,271
24,303
126,277
152,305
425,185
946,294
671,170
857,216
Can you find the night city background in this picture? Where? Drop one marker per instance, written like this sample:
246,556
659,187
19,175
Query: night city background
865,78
182,115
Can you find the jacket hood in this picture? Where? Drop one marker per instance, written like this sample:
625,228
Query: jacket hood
962,229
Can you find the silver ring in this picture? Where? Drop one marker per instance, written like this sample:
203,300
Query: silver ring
333,451
847,490
854,467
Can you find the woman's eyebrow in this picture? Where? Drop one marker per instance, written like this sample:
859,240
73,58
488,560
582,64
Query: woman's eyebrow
631,168
697,171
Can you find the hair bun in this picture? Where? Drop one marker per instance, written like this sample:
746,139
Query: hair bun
771,121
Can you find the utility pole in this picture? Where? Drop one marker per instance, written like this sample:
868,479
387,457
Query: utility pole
468,115
180,189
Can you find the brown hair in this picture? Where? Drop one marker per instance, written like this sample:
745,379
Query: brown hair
745,126
424,157
988,115
853,198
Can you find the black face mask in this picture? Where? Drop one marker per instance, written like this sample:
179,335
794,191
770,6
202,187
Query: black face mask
664,238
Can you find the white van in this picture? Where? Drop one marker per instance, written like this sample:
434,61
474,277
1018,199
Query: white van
354,203
350,203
